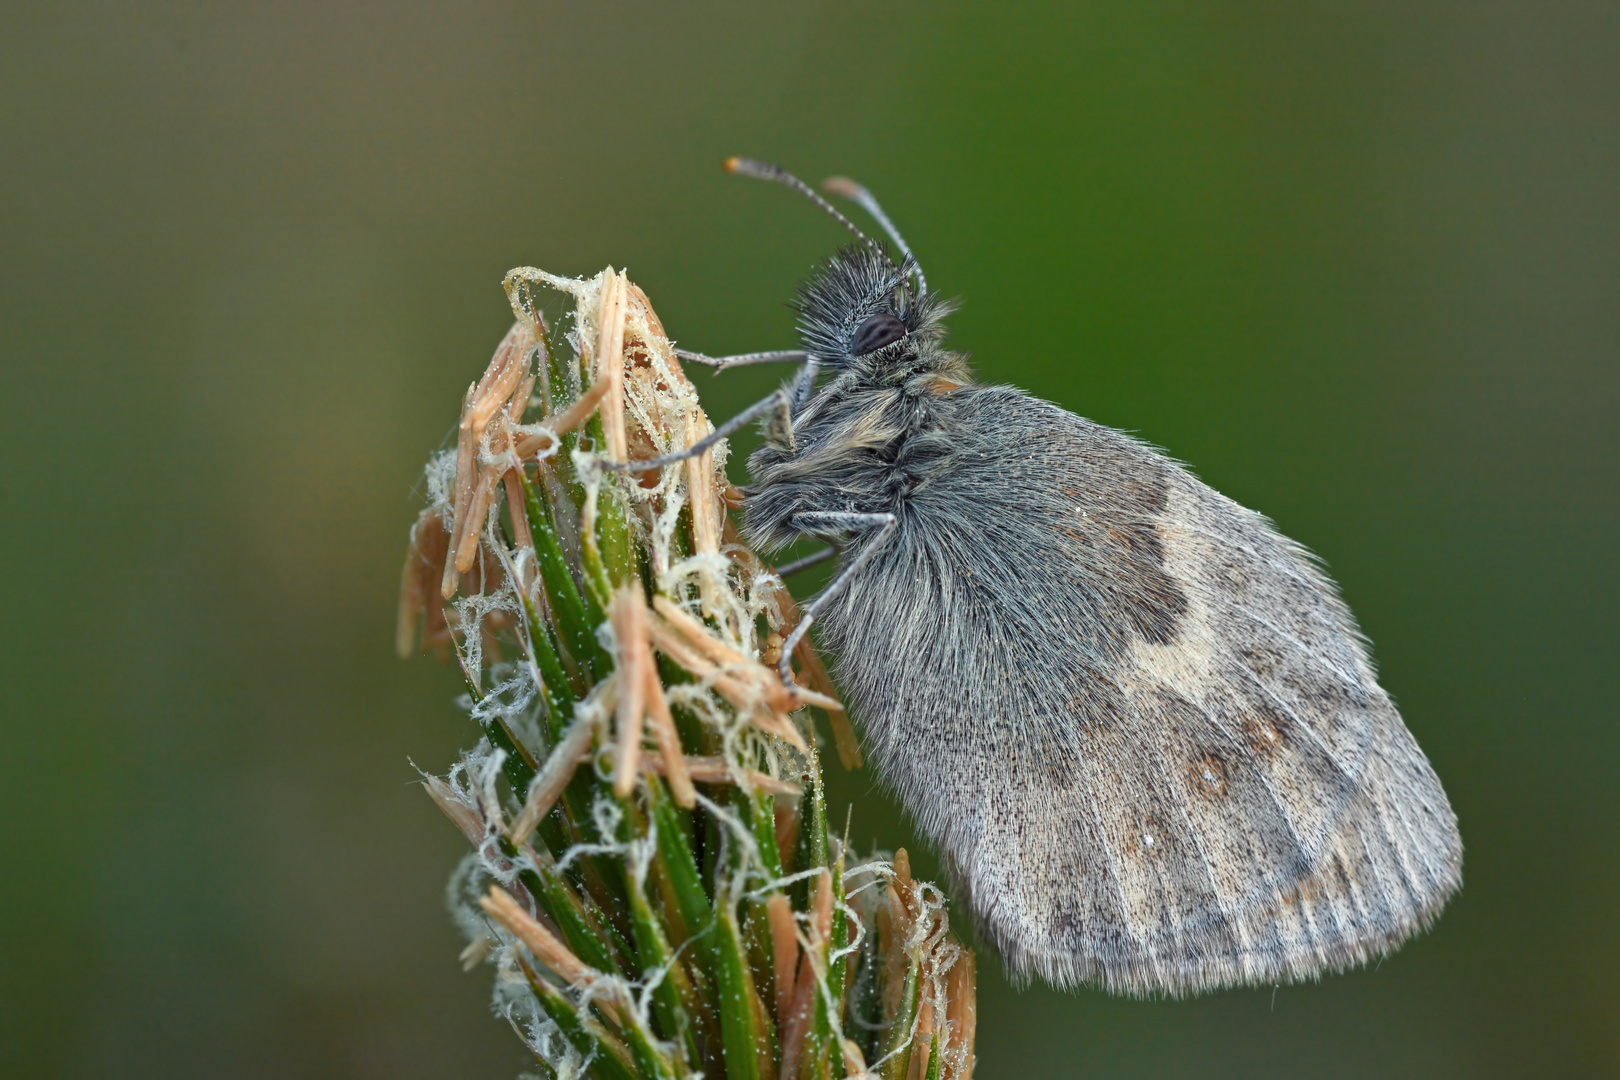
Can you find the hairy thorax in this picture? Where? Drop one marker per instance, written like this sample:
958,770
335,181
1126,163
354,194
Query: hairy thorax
854,447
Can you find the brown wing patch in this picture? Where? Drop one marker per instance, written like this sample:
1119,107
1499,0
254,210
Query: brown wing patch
1263,732
1207,776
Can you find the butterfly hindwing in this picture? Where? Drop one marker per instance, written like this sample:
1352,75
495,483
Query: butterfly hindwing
1139,722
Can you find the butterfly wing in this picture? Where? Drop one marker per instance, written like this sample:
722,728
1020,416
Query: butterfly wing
1138,722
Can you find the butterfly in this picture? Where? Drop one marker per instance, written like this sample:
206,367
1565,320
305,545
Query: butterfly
1140,726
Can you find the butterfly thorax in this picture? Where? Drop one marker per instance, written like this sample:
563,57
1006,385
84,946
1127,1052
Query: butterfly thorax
877,384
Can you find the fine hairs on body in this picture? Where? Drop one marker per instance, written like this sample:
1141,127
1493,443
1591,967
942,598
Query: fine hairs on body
1138,723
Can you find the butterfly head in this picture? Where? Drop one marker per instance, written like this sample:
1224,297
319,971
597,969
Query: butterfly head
860,304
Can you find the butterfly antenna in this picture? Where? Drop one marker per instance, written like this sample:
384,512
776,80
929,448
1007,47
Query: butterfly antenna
762,170
845,188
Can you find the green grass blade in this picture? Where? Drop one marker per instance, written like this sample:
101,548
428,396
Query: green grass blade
651,1061
555,690
761,811
675,1003
609,1058
897,1067
565,908
606,552
674,998
838,969
741,1031
678,862
576,622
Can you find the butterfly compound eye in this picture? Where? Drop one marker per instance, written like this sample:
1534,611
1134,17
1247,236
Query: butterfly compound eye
876,332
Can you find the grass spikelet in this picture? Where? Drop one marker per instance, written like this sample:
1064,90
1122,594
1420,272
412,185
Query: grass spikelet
652,877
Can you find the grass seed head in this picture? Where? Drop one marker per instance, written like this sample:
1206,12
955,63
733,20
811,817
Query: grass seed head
652,878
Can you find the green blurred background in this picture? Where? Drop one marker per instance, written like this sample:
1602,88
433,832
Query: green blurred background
1358,264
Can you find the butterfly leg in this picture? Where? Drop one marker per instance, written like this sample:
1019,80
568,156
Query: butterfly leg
802,386
721,363
778,401
816,521
808,561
